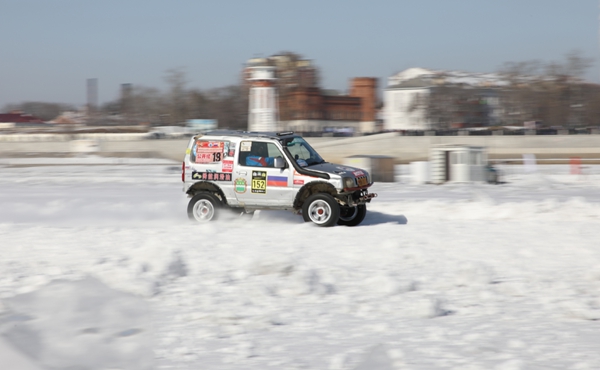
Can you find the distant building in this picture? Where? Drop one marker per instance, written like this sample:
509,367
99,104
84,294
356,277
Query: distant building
291,71
262,109
423,99
13,119
316,110
70,118
304,107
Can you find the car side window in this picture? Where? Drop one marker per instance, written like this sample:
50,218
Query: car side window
258,154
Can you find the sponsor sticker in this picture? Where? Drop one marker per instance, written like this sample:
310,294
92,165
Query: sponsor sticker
259,182
298,182
227,166
208,151
239,186
358,173
211,176
245,146
277,181
296,173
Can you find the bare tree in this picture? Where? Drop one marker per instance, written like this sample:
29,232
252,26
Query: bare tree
553,93
178,103
229,105
449,106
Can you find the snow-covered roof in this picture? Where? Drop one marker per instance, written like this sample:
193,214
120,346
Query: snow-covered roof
409,74
448,77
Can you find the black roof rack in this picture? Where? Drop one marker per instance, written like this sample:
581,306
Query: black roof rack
242,133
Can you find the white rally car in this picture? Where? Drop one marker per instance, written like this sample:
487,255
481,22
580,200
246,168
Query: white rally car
248,171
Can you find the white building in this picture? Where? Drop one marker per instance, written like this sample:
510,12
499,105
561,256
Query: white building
403,89
406,88
263,113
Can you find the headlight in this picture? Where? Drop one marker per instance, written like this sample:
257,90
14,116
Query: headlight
349,182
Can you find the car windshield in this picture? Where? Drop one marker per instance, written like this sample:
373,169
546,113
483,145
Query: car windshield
302,152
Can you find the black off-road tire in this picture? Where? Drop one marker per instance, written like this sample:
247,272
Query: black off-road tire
352,216
321,209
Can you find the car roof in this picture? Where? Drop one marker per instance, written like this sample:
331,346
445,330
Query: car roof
251,134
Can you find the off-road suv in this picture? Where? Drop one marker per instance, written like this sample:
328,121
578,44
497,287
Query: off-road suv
248,171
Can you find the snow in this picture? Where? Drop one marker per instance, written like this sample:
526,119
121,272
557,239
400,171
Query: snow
452,77
102,270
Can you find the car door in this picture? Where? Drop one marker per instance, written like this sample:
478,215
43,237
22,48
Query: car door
257,182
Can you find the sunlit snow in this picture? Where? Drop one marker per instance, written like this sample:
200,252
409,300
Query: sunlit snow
100,269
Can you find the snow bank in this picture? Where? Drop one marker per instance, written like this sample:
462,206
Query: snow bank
80,324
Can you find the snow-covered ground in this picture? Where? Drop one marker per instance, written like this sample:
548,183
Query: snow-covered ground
100,269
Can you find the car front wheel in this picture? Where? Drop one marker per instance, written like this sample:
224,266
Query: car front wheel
203,207
321,209
352,216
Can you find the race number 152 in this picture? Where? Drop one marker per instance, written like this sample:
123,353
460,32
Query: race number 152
259,184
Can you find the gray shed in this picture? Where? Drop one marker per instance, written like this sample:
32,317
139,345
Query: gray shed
457,163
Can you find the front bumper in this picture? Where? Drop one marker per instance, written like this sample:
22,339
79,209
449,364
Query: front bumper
360,197
367,197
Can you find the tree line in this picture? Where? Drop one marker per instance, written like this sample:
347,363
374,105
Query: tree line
553,93
142,104
228,105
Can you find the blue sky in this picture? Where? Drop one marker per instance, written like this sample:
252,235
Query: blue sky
49,48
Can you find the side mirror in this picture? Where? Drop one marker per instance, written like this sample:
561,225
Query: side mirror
279,162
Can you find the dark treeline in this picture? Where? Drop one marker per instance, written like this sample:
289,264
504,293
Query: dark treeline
228,105
552,93
45,111
141,104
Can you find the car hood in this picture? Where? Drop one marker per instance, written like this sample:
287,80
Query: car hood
338,169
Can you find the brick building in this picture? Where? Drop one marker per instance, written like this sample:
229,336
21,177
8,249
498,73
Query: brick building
316,110
304,107
19,119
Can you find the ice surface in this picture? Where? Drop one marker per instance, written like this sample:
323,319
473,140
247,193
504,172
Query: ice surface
469,276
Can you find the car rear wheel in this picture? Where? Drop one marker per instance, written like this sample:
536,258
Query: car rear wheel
352,216
321,209
203,207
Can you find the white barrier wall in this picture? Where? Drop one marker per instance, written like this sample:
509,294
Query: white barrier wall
404,149
416,148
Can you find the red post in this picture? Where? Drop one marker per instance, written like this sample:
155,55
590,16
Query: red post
575,166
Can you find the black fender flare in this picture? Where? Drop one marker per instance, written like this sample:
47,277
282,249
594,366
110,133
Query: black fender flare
206,186
311,188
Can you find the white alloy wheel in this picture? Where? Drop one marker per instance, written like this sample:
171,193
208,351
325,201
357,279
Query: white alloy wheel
321,209
203,207
319,212
203,210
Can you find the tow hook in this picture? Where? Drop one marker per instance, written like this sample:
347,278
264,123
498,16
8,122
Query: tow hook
367,197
